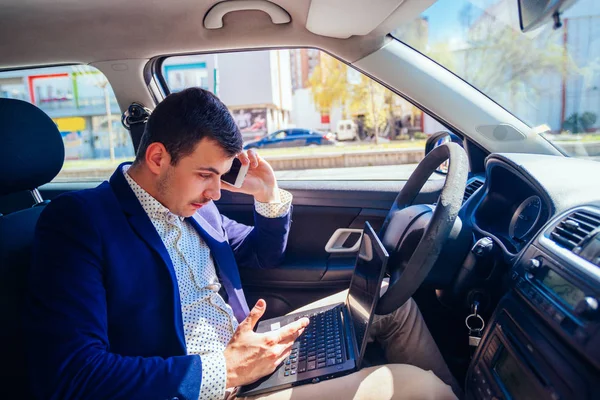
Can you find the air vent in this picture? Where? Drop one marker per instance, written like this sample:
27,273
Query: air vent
572,229
471,188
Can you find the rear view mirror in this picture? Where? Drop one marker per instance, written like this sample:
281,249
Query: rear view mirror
533,13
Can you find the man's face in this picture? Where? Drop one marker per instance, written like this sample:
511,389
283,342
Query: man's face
195,179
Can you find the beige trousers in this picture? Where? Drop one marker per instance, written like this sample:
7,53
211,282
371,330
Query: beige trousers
416,370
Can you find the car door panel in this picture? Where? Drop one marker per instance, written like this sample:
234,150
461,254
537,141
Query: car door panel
308,272
305,259
341,266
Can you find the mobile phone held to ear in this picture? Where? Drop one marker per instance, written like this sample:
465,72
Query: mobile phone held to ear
237,174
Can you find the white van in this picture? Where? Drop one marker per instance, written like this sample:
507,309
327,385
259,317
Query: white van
346,130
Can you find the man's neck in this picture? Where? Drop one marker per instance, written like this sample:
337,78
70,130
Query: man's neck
143,178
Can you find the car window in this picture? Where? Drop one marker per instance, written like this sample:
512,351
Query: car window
306,91
81,102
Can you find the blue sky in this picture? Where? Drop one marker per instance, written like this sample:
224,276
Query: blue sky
443,18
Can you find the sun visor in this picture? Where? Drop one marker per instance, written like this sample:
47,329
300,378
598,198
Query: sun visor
344,18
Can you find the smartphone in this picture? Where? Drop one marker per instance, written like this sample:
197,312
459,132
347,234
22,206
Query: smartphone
236,175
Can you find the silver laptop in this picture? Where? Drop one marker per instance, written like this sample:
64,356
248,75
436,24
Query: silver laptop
334,342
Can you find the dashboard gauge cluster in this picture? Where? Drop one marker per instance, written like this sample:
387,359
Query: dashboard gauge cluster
511,211
525,219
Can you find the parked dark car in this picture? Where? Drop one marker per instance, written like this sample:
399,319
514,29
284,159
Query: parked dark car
292,138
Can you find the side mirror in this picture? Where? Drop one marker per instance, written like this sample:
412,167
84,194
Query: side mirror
437,139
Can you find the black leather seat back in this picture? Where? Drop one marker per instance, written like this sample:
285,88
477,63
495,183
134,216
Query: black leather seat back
31,154
16,234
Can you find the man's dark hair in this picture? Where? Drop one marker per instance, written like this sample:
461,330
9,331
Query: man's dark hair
182,119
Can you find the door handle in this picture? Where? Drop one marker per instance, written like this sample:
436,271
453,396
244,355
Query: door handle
214,17
339,237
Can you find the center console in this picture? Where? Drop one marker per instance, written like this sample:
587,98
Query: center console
543,340
520,358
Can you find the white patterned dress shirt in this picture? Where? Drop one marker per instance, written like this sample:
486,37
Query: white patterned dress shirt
208,321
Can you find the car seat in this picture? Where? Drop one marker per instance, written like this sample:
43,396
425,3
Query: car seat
31,154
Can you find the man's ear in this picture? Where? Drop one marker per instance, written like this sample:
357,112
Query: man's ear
157,157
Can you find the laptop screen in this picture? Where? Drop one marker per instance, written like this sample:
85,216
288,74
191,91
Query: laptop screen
364,288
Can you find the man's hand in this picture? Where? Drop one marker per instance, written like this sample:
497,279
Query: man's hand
260,180
249,356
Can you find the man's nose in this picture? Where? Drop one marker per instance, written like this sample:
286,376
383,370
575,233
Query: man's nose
214,191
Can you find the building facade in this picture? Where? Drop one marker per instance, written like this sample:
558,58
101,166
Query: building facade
81,103
256,86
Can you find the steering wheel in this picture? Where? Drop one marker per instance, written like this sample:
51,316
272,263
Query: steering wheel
414,235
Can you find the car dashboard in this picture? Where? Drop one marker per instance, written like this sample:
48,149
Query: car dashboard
511,209
543,338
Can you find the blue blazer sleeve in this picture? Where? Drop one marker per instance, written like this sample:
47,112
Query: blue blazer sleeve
66,321
260,246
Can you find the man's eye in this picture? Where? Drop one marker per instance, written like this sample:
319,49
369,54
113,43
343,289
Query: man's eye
205,176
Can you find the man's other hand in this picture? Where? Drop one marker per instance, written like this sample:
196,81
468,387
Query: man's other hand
249,355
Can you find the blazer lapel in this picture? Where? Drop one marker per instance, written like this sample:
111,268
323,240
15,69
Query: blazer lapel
141,224
225,264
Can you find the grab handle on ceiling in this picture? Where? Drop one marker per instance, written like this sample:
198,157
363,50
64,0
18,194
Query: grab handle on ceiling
214,16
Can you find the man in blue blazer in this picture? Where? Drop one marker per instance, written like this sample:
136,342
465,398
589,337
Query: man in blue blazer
109,294
135,291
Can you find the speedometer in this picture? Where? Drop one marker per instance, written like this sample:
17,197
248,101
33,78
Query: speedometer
525,218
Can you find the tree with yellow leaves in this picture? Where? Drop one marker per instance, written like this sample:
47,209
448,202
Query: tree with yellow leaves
331,88
329,84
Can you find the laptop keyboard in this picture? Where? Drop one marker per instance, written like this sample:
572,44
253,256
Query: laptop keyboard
320,346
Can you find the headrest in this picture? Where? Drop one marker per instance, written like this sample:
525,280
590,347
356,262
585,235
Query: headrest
31,147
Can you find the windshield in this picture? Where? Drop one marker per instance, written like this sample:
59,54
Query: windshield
549,78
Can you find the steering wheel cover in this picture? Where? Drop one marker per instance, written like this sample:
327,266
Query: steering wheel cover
402,286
